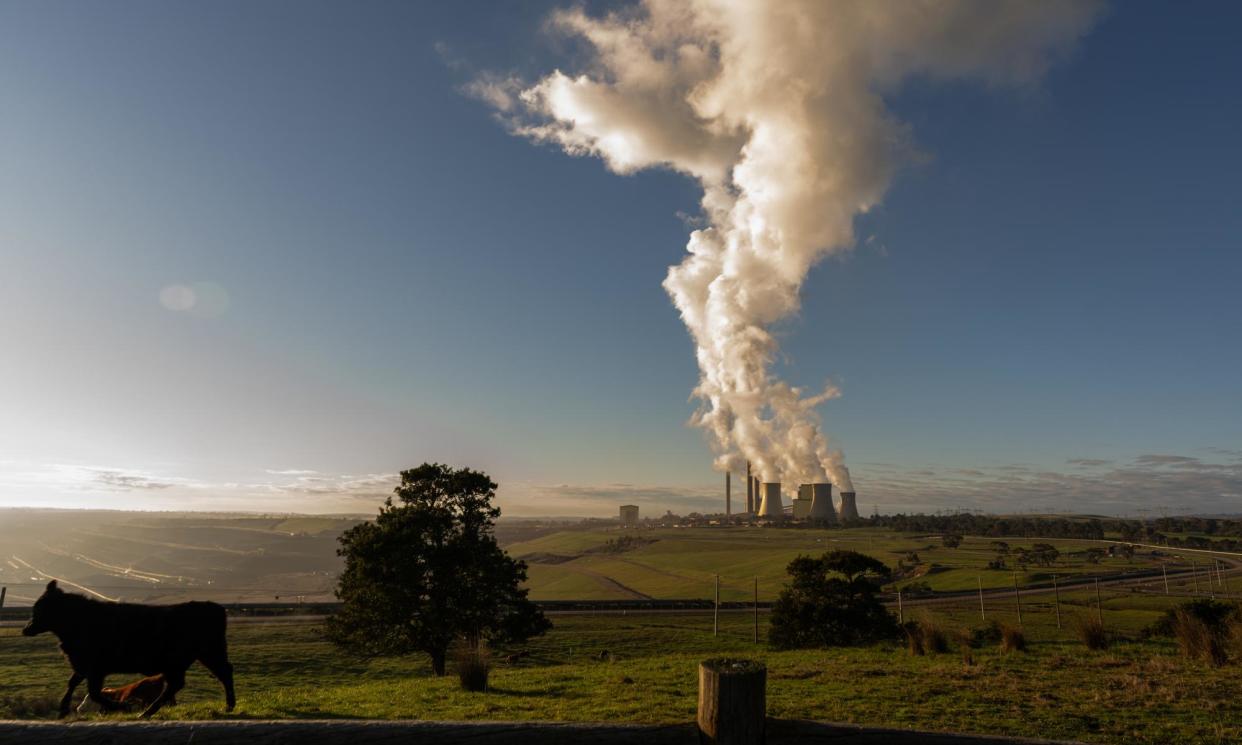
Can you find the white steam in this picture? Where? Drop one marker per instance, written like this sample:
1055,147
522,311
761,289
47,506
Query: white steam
776,107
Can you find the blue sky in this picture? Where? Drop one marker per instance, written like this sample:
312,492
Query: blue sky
1055,281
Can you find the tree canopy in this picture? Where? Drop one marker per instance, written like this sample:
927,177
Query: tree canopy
831,601
428,571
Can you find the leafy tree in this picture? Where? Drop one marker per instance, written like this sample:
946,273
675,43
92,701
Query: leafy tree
428,570
1044,554
951,540
831,601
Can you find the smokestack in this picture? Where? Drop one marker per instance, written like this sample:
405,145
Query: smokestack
750,490
771,507
821,504
728,494
849,507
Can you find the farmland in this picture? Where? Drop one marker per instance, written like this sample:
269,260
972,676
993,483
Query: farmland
1138,691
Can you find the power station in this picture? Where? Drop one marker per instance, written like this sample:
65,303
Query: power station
811,503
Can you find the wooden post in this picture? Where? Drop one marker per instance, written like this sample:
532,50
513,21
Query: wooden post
1017,594
901,617
1099,604
716,612
1194,575
1056,593
982,613
3,591
1164,569
756,610
732,702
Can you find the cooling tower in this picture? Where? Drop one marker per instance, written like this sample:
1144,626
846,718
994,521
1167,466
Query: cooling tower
771,508
821,503
849,508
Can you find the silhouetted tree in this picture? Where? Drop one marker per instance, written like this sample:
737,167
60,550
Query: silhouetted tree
831,601
428,570
951,540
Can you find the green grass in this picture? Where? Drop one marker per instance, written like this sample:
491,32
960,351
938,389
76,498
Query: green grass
682,563
1138,691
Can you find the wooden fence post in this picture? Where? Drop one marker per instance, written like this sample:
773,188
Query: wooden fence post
3,591
716,612
1164,569
732,702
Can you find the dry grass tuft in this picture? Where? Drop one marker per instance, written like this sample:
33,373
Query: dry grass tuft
1091,632
1198,640
474,663
1012,639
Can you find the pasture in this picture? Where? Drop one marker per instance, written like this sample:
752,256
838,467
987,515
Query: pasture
1137,691
679,563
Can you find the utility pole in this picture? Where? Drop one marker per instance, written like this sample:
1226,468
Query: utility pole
716,613
901,617
3,591
1194,575
1056,593
756,610
1017,594
1099,604
982,613
1164,569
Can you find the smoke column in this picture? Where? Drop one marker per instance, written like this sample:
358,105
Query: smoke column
777,108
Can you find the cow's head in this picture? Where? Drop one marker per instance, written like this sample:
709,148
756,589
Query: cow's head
44,614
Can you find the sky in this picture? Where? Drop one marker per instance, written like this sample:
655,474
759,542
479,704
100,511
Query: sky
265,256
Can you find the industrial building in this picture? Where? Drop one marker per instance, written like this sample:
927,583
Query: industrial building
629,515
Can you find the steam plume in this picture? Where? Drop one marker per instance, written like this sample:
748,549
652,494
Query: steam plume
776,108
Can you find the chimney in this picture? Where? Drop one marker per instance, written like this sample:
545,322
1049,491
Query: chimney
750,490
771,507
849,507
728,494
821,504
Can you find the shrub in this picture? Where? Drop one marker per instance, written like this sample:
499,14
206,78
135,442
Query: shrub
473,665
934,639
1012,638
914,640
1091,632
1198,639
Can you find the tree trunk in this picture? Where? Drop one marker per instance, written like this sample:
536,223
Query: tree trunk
437,661
732,703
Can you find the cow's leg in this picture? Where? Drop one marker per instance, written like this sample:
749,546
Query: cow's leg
94,687
220,667
174,681
74,681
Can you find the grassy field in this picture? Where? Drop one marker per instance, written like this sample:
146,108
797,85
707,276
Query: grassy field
682,563
1137,691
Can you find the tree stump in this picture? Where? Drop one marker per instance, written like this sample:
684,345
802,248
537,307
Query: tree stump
732,702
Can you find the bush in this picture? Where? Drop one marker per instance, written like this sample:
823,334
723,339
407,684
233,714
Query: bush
473,665
1012,638
1091,632
1198,639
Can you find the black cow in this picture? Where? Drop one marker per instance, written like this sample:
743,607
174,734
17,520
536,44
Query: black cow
102,638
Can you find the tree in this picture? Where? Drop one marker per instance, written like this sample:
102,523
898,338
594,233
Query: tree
1044,554
951,540
831,601
428,571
